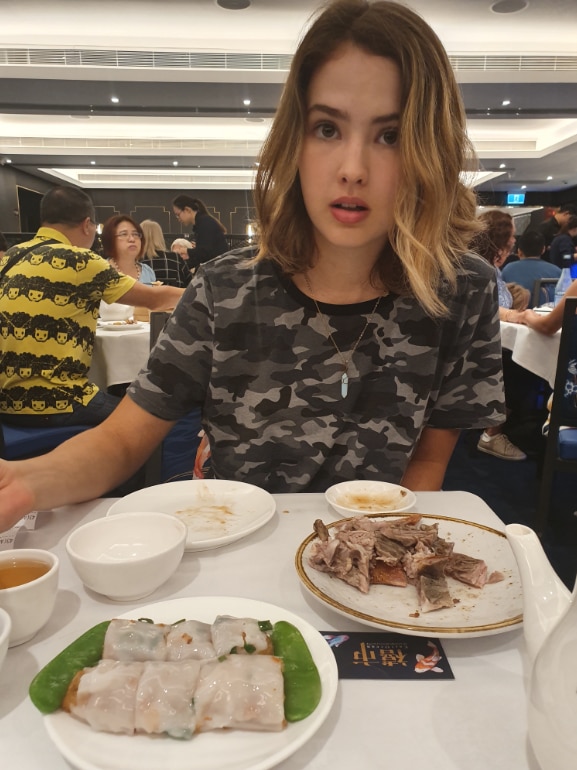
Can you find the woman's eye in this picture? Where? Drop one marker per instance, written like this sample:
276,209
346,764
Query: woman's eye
390,136
325,130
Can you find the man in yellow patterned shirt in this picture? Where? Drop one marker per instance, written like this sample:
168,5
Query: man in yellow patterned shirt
50,293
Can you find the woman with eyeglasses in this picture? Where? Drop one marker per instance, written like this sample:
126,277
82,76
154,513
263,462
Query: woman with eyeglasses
123,246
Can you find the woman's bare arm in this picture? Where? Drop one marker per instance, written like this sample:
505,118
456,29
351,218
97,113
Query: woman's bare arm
82,468
427,467
549,323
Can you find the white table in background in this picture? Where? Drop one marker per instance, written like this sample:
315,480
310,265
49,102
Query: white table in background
532,350
118,356
475,722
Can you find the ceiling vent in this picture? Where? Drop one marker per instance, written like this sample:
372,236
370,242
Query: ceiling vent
145,60
514,63
219,61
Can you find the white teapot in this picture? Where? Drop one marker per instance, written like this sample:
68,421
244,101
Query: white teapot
550,628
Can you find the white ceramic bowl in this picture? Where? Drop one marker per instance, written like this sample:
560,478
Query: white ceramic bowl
128,556
356,498
30,604
5,628
116,311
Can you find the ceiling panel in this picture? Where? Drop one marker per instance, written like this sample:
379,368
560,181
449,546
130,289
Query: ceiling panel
181,72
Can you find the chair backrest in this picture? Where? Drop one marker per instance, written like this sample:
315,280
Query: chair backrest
564,407
158,319
543,291
175,455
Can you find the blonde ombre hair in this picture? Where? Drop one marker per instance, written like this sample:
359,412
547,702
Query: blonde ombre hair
434,215
153,238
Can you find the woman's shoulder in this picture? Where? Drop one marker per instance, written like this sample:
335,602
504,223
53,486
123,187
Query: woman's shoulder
475,269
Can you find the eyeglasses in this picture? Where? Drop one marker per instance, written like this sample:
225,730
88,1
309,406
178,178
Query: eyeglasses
125,234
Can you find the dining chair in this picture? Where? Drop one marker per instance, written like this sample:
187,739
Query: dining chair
543,291
19,443
561,444
174,458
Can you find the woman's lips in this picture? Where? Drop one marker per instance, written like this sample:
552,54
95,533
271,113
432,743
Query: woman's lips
349,211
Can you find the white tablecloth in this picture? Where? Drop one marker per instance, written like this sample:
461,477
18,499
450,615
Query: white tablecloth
475,722
118,356
532,350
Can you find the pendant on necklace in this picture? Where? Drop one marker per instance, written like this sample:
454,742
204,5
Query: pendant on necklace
344,384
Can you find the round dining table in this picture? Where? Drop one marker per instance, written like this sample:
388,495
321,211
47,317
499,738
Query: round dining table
532,350
119,353
475,721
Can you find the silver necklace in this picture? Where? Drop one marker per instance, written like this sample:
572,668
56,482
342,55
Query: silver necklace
345,361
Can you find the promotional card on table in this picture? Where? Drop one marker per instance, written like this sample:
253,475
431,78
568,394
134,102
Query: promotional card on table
376,655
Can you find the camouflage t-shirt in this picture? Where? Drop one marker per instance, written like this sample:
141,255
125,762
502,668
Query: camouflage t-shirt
252,350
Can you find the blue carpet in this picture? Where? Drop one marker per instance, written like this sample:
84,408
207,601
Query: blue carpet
511,490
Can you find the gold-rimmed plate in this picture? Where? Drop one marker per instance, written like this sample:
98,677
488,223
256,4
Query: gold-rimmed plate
494,609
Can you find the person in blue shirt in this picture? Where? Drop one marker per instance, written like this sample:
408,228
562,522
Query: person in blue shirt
530,267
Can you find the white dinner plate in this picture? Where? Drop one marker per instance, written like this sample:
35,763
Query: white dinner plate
87,749
493,609
119,326
216,512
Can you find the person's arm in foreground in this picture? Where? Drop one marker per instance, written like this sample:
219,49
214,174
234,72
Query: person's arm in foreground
427,467
549,323
82,468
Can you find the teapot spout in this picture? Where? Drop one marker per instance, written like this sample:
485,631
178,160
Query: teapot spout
545,596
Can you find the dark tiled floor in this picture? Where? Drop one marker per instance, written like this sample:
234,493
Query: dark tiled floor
511,490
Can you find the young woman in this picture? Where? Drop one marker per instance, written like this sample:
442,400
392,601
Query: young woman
123,246
364,336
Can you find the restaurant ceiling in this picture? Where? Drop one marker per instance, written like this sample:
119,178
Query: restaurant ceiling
182,71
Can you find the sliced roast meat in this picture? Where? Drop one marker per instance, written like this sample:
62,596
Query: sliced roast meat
433,590
467,569
387,550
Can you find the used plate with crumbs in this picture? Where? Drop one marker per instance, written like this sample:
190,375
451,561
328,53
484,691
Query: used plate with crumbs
216,512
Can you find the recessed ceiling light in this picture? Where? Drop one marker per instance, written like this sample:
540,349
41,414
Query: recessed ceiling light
175,163
523,186
233,5
246,102
506,102
549,178
92,162
114,99
509,6
8,160
502,165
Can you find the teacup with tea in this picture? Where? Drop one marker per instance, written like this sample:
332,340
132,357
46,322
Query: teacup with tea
28,589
